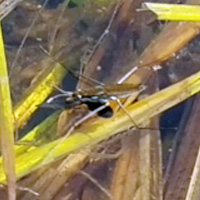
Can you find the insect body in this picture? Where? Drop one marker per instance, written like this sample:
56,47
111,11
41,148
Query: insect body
98,95
111,91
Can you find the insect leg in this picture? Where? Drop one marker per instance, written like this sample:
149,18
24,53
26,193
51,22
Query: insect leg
68,69
96,183
62,91
124,109
89,115
51,99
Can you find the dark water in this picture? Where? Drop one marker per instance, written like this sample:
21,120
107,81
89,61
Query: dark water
78,32
121,45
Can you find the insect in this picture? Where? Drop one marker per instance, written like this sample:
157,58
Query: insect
97,100
98,95
94,97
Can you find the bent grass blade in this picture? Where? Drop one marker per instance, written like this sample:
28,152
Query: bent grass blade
102,129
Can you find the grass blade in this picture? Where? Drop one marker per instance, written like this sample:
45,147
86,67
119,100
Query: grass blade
102,129
7,124
37,93
174,12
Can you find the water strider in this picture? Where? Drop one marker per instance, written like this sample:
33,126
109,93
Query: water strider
95,96
101,94
98,95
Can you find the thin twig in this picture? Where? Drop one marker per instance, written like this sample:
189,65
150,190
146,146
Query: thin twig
64,6
96,183
26,36
7,6
106,31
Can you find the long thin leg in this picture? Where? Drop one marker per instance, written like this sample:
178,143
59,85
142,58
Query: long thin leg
74,126
96,183
51,99
92,113
127,113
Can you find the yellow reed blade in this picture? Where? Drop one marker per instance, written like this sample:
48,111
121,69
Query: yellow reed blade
6,123
174,12
101,129
37,94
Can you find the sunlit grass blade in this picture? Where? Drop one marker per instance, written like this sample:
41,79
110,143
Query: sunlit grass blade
174,12
102,129
6,124
39,135
37,93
